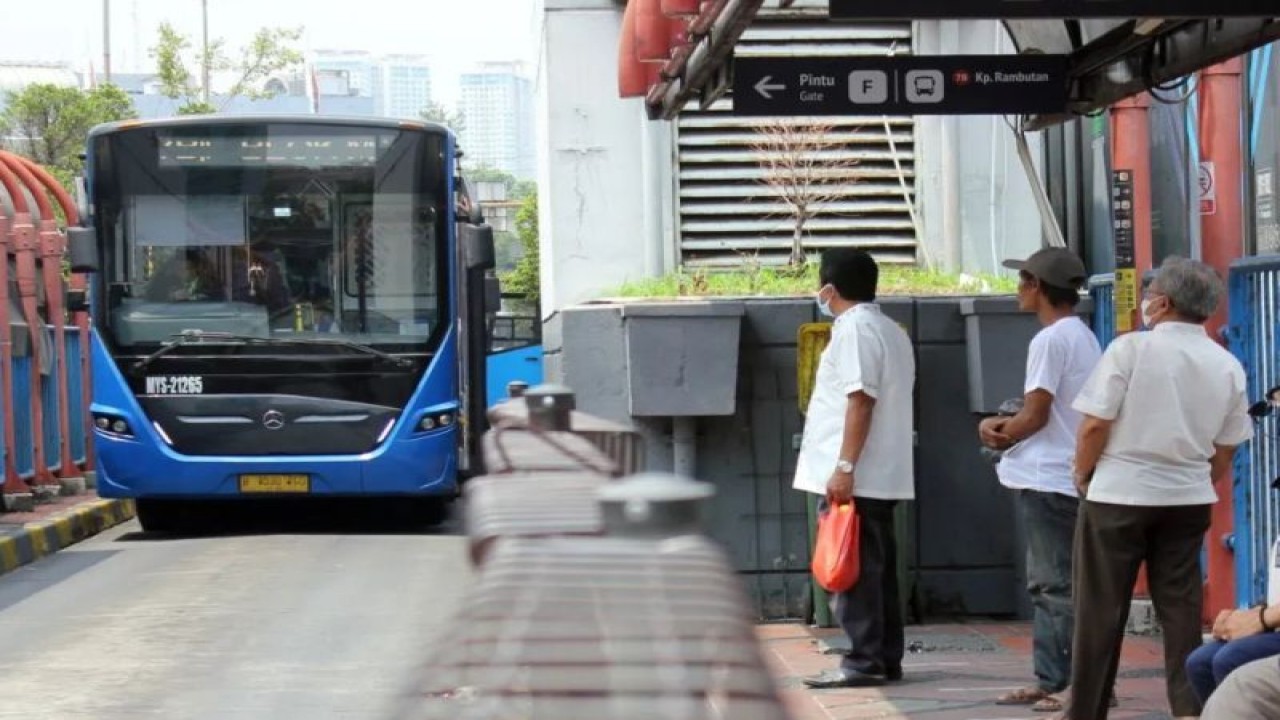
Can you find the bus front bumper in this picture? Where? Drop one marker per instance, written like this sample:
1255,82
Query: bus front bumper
423,465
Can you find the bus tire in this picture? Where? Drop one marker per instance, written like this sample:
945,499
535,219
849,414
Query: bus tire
158,516
421,511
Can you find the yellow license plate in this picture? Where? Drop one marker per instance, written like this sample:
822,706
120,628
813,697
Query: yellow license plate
275,483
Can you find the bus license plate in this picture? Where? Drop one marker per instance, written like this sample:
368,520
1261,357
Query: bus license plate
275,484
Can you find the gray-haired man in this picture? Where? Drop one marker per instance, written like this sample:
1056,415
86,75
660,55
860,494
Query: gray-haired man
1163,414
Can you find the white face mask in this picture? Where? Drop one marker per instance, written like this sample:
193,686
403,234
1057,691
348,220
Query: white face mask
824,306
1147,319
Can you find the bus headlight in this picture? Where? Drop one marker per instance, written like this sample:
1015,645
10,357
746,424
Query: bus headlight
112,425
435,421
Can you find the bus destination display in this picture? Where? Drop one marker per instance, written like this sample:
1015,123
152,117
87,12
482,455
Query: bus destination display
315,151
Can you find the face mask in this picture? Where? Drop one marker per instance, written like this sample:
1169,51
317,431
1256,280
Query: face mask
824,306
1147,319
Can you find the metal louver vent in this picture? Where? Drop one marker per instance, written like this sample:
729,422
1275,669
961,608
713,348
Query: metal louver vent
727,215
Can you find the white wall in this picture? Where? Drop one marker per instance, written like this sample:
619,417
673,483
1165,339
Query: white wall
604,173
995,213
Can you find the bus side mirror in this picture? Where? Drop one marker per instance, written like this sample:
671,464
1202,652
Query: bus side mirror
478,251
82,249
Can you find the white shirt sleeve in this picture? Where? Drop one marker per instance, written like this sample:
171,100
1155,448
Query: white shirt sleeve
1103,394
859,362
1046,363
1237,428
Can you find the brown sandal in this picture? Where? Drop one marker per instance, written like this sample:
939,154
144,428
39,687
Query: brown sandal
1025,696
1050,703
1060,707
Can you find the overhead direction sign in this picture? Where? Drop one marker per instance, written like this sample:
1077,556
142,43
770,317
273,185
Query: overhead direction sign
1003,9
903,85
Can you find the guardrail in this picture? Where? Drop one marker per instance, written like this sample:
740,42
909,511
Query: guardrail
44,442
1253,335
598,594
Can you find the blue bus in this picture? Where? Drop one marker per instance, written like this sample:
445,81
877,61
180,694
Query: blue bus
283,306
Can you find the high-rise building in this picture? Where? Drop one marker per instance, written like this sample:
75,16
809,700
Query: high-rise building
498,119
359,67
405,87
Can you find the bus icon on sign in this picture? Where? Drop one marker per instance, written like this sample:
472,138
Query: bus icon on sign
925,86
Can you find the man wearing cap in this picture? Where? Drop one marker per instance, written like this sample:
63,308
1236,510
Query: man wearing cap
1039,443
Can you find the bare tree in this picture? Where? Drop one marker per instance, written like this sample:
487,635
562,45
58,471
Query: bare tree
806,166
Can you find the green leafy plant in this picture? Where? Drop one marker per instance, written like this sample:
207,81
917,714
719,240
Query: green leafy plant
270,51
50,122
525,278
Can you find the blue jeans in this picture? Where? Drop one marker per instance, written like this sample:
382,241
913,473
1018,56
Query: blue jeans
1209,665
1050,522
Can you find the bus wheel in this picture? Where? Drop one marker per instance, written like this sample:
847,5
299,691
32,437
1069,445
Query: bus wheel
421,512
158,515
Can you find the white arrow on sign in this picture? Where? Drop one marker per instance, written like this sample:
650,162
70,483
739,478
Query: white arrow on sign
765,88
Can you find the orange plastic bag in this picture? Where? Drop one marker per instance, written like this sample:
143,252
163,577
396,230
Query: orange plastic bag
835,556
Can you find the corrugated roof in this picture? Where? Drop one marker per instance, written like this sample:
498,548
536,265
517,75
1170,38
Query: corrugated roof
17,75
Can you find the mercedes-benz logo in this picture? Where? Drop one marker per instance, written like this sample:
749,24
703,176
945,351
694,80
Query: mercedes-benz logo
273,420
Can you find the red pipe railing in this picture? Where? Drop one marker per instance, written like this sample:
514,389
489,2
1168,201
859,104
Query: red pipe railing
27,248
52,250
79,282
34,242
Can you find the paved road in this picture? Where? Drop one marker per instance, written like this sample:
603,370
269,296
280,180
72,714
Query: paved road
316,624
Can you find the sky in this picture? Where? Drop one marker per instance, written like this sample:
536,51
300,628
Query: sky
456,35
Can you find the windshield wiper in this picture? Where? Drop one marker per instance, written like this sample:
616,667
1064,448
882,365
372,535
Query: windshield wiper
191,337
351,344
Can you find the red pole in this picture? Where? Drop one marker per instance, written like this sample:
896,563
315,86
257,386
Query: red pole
26,244
17,494
1222,231
1131,152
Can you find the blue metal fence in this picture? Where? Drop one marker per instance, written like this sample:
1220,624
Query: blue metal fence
75,396
49,403
1102,290
50,433
24,453
1254,338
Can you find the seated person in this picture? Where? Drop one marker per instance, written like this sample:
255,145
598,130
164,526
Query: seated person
186,276
256,278
1240,637
1252,692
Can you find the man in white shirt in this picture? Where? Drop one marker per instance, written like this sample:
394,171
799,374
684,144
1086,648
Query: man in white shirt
1039,444
859,444
1164,413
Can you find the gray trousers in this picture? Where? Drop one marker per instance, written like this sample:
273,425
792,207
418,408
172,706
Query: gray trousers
1251,692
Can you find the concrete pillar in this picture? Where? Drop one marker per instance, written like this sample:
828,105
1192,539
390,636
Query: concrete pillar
602,181
976,202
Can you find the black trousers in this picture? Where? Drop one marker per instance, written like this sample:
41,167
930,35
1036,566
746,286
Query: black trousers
1111,543
870,613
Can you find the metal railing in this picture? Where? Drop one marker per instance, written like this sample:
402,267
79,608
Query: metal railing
49,439
1253,335
598,594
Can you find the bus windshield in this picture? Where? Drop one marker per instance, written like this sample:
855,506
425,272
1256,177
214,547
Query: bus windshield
273,230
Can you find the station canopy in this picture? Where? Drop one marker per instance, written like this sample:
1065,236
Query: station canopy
674,52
